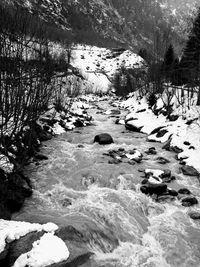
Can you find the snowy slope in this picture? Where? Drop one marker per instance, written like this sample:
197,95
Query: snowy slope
98,65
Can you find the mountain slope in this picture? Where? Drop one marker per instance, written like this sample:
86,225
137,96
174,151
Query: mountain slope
134,24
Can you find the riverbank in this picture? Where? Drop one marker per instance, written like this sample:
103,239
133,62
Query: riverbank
93,194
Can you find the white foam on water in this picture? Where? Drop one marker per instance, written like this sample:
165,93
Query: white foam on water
148,254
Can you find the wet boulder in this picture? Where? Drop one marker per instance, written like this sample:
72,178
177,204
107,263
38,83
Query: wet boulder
168,179
166,174
131,126
66,202
184,191
151,189
21,246
194,215
161,133
103,139
167,145
79,123
189,170
151,151
114,161
173,117
189,201
162,160
186,143
172,192
176,149
156,130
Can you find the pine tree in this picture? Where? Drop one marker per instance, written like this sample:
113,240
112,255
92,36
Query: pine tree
169,56
168,63
191,55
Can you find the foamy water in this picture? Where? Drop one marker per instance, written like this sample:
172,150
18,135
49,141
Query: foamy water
122,226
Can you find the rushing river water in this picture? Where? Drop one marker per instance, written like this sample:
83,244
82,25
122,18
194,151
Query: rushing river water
123,226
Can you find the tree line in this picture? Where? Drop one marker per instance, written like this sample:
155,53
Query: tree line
28,71
167,71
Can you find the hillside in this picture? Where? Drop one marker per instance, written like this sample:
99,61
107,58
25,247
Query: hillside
131,24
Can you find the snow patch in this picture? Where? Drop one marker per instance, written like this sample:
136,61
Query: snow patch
48,250
12,230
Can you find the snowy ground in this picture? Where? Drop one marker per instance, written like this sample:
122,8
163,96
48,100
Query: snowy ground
98,65
184,132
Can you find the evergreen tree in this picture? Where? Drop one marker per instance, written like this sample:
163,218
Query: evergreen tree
168,63
191,55
169,56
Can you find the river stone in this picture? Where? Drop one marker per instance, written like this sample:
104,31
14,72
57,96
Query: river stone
162,160
173,117
131,127
168,179
189,201
187,143
151,189
167,145
172,192
66,202
166,174
103,139
78,123
151,151
161,133
22,245
141,110
115,112
114,161
156,130
189,170
176,149
194,215
184,191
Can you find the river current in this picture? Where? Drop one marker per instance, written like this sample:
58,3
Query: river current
77,186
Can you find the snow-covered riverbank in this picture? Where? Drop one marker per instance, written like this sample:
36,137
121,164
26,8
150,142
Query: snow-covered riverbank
92,192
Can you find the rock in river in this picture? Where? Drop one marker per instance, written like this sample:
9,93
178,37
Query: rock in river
194,215
189,201
151,189
189,170
103,139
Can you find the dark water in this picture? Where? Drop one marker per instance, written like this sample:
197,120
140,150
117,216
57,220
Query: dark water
123,227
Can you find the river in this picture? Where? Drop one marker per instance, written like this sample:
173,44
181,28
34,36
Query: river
77,186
